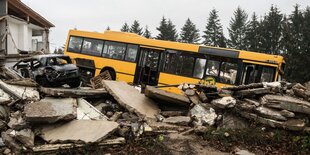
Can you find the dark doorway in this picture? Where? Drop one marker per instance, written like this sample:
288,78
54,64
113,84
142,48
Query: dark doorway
147,71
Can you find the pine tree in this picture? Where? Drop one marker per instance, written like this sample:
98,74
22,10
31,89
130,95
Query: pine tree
189,32
253,34
147,33
272,31
296,45
213,35
237,29
135,28
167,30
108,28
125,27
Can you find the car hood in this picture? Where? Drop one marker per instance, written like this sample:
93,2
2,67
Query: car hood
67,67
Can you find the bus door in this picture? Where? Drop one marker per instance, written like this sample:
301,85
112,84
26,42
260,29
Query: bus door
147,71
254,72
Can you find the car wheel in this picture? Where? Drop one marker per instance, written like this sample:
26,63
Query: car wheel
74,84
42,81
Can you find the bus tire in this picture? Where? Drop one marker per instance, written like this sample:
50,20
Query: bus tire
111,72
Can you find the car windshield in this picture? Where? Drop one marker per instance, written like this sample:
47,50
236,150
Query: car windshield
58,61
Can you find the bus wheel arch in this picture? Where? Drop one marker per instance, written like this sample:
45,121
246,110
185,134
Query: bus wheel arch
111,71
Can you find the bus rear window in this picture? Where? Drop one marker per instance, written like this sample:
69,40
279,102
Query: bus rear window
75,44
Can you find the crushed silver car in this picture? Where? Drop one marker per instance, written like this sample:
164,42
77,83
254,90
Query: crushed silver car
49,70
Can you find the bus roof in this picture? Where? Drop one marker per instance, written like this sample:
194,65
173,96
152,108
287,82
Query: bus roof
162,44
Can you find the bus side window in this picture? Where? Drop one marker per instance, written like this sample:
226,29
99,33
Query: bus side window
75,44
186,66
268,74
199,68
114,50
131,53
92,47
171,63
213,67
228,72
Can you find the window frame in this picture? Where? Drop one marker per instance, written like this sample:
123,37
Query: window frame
104,41
81,44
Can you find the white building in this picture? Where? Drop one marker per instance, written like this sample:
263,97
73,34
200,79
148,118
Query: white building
22,30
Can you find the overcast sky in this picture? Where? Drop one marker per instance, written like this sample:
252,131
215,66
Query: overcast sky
97,15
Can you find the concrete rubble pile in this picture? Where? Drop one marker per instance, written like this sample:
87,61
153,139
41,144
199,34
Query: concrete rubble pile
276,104
39,119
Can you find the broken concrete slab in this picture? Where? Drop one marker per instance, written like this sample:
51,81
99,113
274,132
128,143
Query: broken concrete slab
287,113
179,120
10,141
50,110
224,102
87,111
173,113
54,147
233,122
243,87
27,82
286,103
202,116
25,136
83,131
252,101
252,92
270,113
131,99
5,98
166,96
77,92
20,92
290,124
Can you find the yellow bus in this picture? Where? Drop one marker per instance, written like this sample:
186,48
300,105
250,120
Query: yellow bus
138,60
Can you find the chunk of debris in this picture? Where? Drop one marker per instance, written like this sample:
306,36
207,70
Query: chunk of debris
20,92
286,103
83,131
25,136
179,120
96,81
128,97
17,122
290,124
50,110
224,102
233,122
87,111
270,113
27,82
173,113
10,141
167,97
54,147
5,98
252,92
244,87
77,92
202,116
287,113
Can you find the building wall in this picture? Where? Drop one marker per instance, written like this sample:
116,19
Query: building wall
14,30
22,36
